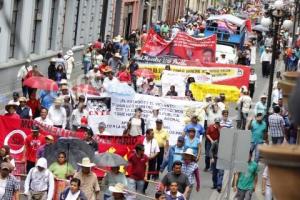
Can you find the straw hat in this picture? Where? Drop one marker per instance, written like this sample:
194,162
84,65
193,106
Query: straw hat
86,162
11,104
22,99
118,188
63,82
263,96
53,60
189,151
50,137
117,55
70,53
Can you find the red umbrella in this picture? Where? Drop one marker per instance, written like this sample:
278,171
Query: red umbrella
40,82
85,88
146,73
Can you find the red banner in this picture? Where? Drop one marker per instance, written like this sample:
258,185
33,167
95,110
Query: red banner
15,131
182,46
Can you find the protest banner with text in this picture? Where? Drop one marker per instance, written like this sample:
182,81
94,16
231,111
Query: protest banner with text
200,90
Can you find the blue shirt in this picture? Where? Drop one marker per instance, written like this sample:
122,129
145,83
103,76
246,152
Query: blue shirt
177,156
47,98
125,50
193,144
199,129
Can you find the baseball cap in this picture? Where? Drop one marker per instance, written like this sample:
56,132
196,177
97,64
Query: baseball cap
159,121
180,139
192,129
217,120
6,165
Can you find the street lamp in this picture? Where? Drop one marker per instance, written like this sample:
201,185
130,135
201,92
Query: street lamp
276,18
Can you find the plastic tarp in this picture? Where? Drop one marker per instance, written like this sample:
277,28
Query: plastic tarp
230,18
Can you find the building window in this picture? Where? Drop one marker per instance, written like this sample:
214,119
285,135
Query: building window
13,32
75,30
35,24
63,25
50,38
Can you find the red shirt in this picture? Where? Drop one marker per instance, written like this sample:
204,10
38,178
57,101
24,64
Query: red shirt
138,165
213,132
124,76
32,144
34,105
14,115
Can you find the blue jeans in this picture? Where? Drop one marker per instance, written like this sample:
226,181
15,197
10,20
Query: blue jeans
207,149
134,185
106,197
254,147
292,140
217,175
86,66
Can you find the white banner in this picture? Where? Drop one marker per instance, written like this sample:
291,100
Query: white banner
179,80
172,111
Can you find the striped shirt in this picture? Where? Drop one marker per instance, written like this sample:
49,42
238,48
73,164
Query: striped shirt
226,124
276,125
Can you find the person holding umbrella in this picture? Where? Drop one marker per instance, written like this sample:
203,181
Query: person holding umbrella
23,71
112,178
61,168
90,185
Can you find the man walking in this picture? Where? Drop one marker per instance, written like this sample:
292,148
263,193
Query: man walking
276,126
9,185
32,143
245,183
176,176
89,183
39,183
258,129
22,73
162,137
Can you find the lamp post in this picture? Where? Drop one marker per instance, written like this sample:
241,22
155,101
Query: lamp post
297,7
276,19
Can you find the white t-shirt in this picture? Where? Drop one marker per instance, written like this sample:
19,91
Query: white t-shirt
2,187
72,196
253,78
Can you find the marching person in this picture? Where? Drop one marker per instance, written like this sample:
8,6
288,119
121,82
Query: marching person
139,169
39,183
177,176
191,169
77,115
174,154
11,108
111,178
162,136
212,135
152,151
244,103
265,60
276,127
73,192
23,110
57,114
70,62
44,117
88,137
9,185
195,124
41,150
31,144
245,183
89,183
137,123
217,174
173,193
23,71
258,129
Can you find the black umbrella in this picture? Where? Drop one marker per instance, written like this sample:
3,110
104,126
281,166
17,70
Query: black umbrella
75,150
109,160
